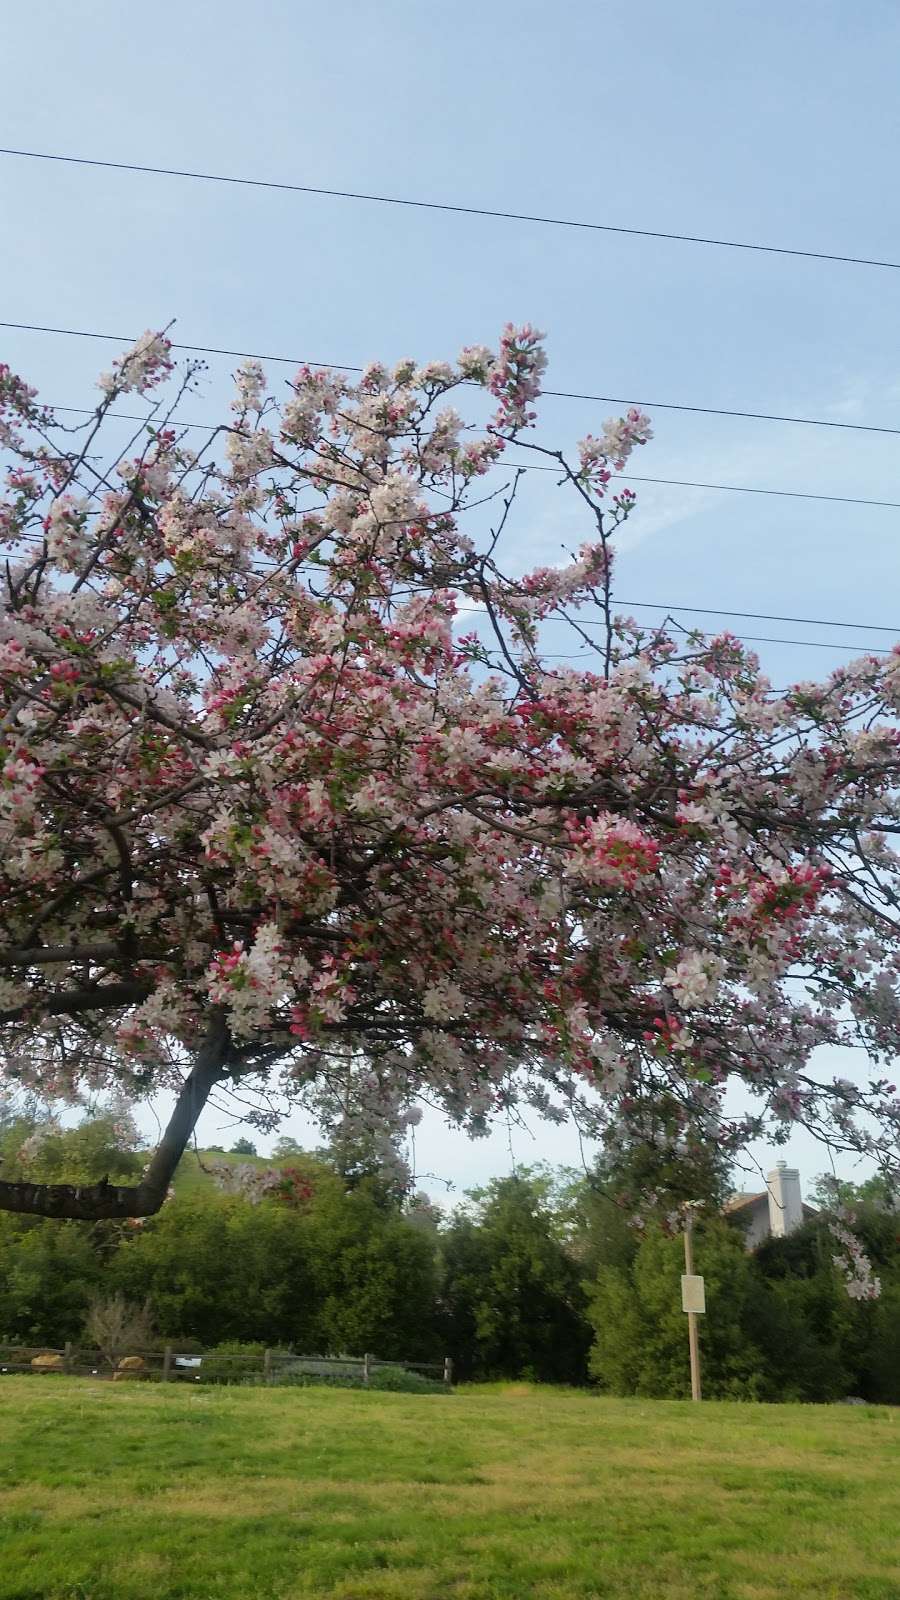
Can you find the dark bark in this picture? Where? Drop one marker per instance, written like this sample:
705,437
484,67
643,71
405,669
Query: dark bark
104,1200
75,1002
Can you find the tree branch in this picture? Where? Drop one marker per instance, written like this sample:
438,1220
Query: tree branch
104,1200
74,1002
50,955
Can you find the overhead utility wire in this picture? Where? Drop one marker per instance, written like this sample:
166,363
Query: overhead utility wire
765,616
458,210
558,394
729,488
720,411
196,349
749,616
648,605
531,466
637,604
762,616
821,644
745,638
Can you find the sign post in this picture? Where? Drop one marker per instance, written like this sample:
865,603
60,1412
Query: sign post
693,1301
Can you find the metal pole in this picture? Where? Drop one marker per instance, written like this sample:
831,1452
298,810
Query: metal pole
692,1316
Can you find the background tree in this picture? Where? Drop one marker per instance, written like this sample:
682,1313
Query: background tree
269,816
102,1144
376,1276
218,1268
283,1147
294,1254
882,1376
49,1272
117,1327
780,1325
640,1344
362,1158
299,1261
835,1346
511,1294
645,1173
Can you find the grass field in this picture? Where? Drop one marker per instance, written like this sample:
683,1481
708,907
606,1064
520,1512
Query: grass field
194,1173
153,1493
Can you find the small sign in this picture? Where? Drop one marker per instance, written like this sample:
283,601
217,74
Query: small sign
693,1293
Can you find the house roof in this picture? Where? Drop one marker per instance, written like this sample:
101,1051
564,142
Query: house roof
738,1202
746,1202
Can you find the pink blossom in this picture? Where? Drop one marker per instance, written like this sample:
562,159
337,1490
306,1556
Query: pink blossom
147,363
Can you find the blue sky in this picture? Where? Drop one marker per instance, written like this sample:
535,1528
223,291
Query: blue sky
750,121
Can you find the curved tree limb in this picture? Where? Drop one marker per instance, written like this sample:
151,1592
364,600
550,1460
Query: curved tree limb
104,1200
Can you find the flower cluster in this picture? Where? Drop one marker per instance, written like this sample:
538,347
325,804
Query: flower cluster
611,850
249,982
65,527
250,386
695,980
146,364
515,376
600,457
852,1261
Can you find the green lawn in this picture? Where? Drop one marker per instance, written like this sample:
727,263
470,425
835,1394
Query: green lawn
152,1493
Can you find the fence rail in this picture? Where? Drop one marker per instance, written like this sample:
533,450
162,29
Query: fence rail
170,1364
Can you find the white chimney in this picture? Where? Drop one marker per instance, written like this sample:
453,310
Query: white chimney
785,1200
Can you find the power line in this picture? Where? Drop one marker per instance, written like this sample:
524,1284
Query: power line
762,616
718,611
131,416
749,616
196,349
744,638
720,411
531,466
765,616
558,394
647,605
706,611
458,210
729,488
814,644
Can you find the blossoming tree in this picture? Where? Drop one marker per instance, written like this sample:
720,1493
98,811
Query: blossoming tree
274,818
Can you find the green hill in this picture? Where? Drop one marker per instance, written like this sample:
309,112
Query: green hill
195,1175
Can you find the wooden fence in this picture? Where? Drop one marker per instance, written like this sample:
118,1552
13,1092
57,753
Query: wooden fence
173,1365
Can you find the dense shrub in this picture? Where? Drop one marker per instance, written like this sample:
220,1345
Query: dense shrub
400,1380
385,1380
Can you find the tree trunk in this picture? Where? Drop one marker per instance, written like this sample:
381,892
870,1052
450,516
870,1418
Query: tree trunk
104,1200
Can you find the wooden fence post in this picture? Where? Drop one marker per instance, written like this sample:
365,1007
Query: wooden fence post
167,1363
448,1370
67,1356
367,1368
267,1367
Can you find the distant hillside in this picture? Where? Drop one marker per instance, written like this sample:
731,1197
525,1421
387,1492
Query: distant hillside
191,1179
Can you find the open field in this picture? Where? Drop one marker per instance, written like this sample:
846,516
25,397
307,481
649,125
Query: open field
158,1493
195,1170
